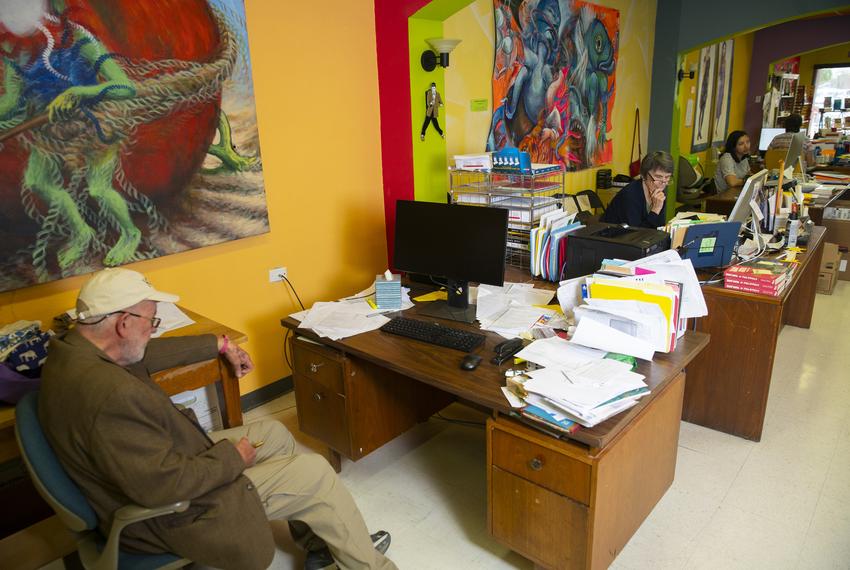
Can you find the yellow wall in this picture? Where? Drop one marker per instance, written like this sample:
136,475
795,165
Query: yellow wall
835,54
470,77
741,58
319,132
430,177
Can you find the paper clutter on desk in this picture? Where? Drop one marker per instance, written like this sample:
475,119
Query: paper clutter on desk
388,291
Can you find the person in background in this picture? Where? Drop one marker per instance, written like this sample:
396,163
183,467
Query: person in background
121,439
733,168
793,123
641,203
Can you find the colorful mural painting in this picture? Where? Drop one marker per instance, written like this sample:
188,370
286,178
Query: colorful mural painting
128,132
554,80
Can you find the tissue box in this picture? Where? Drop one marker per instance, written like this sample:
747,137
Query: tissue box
388,292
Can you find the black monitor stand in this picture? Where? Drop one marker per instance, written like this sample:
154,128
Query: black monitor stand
456,308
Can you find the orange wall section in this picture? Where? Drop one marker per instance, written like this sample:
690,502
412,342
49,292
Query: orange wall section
316,88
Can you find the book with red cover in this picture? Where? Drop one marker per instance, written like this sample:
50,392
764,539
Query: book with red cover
760,271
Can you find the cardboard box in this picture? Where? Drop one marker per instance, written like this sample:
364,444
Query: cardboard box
831,257
838,232
844,267
826,282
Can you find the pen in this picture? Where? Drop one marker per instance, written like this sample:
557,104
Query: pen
379,313
257,444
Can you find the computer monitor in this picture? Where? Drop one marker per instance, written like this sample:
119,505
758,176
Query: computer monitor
752,187
795,153
452,242
767,135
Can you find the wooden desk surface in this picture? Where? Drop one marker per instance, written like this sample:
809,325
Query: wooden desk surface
804,258
440,367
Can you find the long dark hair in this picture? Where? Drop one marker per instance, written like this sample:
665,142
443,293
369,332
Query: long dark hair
732,142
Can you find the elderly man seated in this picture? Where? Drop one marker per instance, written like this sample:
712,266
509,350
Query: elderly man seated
121,439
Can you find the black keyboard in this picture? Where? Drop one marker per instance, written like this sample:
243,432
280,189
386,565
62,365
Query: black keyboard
433,333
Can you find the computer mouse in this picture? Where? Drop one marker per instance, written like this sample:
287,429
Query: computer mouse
470,362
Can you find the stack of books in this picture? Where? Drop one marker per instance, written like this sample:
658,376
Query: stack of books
761,276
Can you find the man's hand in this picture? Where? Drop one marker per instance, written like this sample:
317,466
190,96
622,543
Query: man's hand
247,451
239,360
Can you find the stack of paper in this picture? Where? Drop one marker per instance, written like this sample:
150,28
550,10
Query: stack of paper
587,394
514,309
347,317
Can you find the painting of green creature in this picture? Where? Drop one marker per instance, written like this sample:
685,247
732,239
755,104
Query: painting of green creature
128,132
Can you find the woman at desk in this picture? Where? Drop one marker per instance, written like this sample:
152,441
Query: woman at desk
641,203
734,165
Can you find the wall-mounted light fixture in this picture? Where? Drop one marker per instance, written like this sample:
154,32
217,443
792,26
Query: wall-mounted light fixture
689,74
441,46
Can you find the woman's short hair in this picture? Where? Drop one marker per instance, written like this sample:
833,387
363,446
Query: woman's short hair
658,160
732,142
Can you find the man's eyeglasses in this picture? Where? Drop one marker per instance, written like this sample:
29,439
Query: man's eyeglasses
153,320
665,180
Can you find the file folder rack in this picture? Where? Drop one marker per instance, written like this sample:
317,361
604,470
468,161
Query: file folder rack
525,196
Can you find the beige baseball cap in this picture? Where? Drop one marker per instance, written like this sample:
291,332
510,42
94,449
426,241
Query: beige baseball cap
115,289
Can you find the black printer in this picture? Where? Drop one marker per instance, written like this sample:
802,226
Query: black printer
588,246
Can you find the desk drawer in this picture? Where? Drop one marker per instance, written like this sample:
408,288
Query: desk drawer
320,364
545,467
321,413
546,527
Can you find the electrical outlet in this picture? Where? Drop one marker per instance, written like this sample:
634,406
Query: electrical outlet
277,274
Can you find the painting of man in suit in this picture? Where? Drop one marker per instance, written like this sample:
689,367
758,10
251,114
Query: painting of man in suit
433,102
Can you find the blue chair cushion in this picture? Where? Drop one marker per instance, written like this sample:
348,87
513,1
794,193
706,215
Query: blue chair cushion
46,465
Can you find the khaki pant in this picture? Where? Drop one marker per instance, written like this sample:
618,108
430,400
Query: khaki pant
304,487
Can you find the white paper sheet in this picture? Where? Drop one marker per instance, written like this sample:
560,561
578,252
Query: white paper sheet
172,318
559,353
591,333
569,294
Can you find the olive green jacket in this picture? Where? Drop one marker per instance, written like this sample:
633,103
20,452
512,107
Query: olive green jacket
121,440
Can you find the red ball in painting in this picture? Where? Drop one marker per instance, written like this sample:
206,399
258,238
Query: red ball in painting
168,151
162,154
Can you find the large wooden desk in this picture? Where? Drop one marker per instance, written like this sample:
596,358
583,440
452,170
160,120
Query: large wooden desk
723,202
728,383
172,381
561,503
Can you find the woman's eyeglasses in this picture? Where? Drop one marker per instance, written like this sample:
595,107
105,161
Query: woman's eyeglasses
664,180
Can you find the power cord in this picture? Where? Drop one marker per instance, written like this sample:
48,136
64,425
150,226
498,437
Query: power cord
289,330
440,416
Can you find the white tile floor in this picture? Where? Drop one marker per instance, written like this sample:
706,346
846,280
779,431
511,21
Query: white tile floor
781,503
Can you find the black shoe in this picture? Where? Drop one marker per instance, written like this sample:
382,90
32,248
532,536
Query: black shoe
322,559
381,541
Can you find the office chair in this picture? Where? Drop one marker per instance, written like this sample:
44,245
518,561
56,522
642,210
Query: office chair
773,156
593,202
692,188
74,510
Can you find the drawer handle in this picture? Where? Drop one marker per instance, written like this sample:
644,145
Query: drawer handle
315,367
317,397
536,464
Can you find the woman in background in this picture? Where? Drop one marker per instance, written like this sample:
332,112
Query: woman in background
734,165
641,203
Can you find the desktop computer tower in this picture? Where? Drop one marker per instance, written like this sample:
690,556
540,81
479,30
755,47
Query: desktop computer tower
588,246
